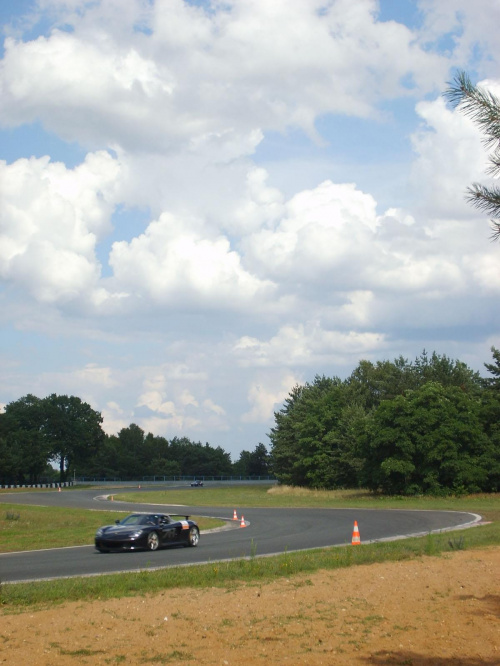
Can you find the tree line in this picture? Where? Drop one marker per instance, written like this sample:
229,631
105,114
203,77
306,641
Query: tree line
431,425
399,427
38,433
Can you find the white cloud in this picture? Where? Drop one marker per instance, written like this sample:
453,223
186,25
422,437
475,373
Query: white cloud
308,345
265,396
50,220
471,28
186,398
219,75
93,374
173,262
175,409
171,427
114,418
211,406
450,155
484,270
70,82
153,400
323,231
233,289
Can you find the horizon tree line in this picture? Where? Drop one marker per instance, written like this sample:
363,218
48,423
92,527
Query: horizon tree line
431,425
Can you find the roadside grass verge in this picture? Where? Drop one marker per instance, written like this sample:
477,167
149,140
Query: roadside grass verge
38,527
253,570
237,497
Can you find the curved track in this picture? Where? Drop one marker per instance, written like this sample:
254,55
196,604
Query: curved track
270,531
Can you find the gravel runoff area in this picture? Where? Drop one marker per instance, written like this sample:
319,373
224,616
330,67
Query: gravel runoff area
433,611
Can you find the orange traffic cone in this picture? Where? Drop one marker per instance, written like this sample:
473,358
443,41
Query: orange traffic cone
356,541
242,524
235,515
112,498
59,489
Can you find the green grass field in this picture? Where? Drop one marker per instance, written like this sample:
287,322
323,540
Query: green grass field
37,527
70,527
288,497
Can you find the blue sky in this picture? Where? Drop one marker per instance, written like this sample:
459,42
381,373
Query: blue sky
203,204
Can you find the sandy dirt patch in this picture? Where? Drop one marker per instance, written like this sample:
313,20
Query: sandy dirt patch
428,612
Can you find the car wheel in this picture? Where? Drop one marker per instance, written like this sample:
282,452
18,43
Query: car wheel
153,541
194,536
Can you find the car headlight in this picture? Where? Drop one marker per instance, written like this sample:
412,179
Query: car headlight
99,532
137,534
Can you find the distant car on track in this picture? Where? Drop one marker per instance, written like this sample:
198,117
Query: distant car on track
197,484
147,531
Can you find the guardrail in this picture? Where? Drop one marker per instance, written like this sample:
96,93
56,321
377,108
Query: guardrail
63,484
157,479
178,479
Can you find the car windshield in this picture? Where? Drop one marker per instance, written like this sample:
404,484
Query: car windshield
141,519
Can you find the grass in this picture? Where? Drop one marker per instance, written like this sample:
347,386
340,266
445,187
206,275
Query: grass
227,574
256,570
38,527
488,505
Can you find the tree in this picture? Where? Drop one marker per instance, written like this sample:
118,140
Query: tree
494,369
399,426
258,464
308,446
370,383
253,463
428,441
26,450
72,429
196,459
484,109
129,450
448,372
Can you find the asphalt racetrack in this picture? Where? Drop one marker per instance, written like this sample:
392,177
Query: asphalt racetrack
270,531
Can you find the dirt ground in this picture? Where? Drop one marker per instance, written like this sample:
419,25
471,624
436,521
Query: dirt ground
433,611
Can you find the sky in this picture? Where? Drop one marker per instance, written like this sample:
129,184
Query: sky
204,203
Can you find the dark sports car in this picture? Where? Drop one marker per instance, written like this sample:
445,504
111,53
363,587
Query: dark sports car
147,531
197,484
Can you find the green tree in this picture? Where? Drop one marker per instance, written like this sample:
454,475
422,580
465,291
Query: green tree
305,448
10,469
370,383
428,441
253,463
105,463
26,449
345,455
196,459
490,417
259,461
240,467
72,429
484,109
129,450
154,457
440,368
494,369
